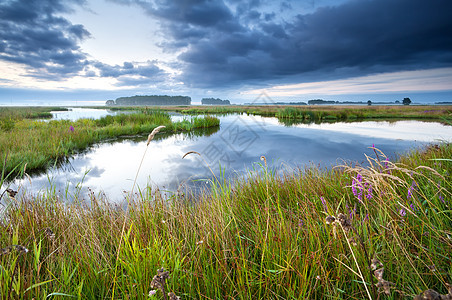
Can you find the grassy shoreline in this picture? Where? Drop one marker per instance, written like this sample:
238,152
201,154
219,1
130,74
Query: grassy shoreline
38,144
266,237
322,113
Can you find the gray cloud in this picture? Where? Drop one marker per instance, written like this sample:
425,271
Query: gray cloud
32,34
231,43
225,44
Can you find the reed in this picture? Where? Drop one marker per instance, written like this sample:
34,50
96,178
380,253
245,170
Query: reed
40,144
262,236
28,112
328,113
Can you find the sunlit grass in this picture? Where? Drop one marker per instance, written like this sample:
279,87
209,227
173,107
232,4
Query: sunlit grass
264,236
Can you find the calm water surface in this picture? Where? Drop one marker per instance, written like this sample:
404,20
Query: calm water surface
75,113
235,147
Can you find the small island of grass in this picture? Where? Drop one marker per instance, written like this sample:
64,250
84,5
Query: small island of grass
38,145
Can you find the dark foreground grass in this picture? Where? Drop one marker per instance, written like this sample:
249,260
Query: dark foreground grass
39,144
382,232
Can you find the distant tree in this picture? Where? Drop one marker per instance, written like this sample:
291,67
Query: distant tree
397,101
110,102
321,101
153,100
369,103
406,101
213,101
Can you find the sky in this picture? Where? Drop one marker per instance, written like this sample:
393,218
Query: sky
86,52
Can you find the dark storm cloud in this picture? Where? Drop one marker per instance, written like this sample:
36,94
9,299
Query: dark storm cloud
32,34
226,43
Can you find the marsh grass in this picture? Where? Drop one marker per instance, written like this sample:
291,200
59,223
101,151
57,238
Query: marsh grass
28,112
328,113
349,113
9,116
263,236
40,144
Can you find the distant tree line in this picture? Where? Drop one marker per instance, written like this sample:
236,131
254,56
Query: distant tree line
320,101
213,101
290,103
151,100
406,101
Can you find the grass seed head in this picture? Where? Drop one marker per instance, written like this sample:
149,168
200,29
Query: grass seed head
352,241
153,133
383,284
158,282
191,152
173,296
18,248
11,193
49,233
375,263
429,295
330,220
432,294
344,221
264,159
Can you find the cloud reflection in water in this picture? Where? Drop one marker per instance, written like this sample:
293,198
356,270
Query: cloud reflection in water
111,167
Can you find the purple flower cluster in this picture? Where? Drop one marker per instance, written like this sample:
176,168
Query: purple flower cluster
411,190
351,212
325,207
361,189
71,129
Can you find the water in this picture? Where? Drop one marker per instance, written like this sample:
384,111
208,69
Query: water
232,149
76,113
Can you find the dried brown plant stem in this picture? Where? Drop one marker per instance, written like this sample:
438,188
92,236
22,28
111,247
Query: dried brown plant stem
267,225
356,262
150,138
207,164
368,260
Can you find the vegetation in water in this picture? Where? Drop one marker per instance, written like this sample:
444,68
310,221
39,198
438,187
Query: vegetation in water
39,144
382,230
10,115
329,113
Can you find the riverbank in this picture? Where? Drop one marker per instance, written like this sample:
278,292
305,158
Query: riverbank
36,145
350,233
321,113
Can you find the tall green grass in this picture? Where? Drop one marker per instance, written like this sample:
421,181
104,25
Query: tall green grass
28,112
10,115
264,236
333,113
